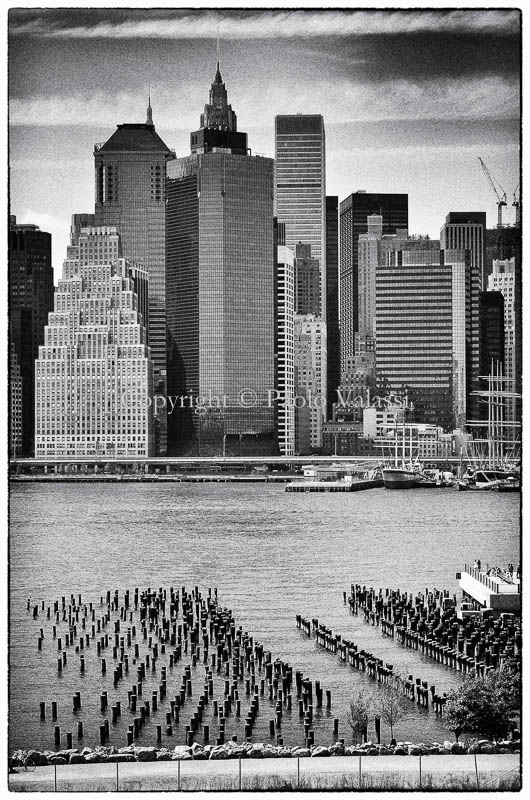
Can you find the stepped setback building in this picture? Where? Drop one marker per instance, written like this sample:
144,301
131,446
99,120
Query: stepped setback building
130,172
220,291
94,383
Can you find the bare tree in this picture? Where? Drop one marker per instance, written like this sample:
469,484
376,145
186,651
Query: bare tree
391,706
358,713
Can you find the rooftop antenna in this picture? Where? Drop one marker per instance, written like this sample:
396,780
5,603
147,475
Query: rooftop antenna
149,120
218,45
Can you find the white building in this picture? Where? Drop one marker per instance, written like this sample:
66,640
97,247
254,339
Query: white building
285,291
310,344
502,280
94,374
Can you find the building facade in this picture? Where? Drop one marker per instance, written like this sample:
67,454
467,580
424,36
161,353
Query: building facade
503,280
310,382
423,332
30,276
130,194
354,211
284,349
300,186
94,374
220,295
306,281
332,302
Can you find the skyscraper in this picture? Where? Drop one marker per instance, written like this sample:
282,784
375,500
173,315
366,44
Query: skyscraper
503,280
94,383
332,301
220,290
300,186
491,333
354,211
309,382
466,230
130,194
30,301
423,332
307,281
284,348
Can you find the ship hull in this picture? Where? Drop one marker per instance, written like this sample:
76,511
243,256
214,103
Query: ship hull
399,479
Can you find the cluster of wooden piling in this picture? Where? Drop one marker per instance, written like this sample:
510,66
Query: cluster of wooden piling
415,689
428,623
141,639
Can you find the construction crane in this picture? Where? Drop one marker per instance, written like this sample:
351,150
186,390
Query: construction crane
517,204
495,185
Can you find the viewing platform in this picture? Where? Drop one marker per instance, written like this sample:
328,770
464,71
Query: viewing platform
492,588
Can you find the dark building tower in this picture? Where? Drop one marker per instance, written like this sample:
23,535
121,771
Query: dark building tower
307,281
354,211
491,331
220,291
30,301
332,300
130,194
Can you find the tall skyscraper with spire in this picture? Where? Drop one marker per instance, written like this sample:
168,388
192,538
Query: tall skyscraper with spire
220,290
130,194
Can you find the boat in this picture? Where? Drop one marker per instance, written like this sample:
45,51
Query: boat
400,478
484,480
510,484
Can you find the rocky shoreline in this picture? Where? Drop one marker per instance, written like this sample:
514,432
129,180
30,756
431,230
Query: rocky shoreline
197,752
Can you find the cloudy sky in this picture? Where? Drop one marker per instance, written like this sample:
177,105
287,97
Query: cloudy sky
410,98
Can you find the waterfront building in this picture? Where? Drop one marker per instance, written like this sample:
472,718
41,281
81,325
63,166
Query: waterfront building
130,194
307,281
423,332
30,278
503,280
310,382
346,439
284,350
220,291
332,302
354,211
413,441
94,374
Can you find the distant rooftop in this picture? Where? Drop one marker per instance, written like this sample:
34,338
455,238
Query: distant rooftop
135,137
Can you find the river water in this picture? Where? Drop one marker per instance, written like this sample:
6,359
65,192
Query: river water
270,554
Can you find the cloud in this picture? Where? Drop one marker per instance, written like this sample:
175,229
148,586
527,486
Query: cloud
267,24
340,101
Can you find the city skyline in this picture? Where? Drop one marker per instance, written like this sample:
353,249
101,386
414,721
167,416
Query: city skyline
410,98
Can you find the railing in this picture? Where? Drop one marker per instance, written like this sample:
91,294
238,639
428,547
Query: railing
468,772
497,583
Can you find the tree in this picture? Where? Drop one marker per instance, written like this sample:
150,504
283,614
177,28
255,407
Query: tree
391,706
488,706
357,717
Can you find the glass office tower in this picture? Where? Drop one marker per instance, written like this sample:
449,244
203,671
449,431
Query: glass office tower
220,293
423,332
300,186
354,211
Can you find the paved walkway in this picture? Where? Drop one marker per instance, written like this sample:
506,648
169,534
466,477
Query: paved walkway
484,772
